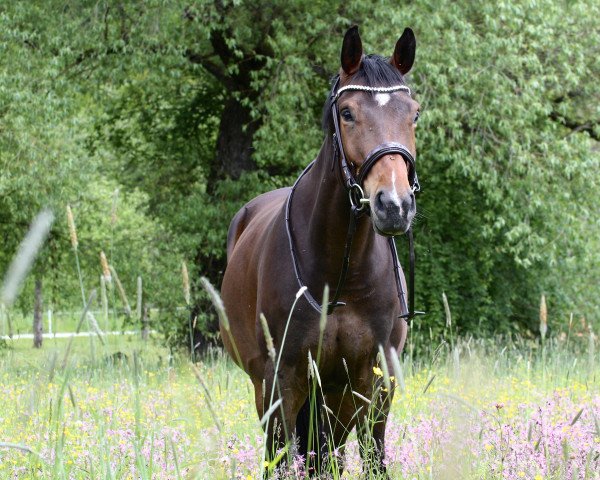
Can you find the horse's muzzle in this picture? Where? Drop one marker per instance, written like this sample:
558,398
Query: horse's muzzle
392,214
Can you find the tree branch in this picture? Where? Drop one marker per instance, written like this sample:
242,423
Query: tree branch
575,127
211,67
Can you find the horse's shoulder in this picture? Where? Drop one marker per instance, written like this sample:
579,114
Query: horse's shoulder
266,202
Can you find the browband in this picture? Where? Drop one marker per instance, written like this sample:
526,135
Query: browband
365,88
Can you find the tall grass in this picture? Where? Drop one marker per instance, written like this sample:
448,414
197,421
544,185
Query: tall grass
506,407
502,411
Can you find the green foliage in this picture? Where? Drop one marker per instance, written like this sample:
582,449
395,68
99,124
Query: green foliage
508,191
47,119
110,95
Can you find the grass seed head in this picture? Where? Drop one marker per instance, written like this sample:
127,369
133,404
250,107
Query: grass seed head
543,317
104,298
72,230
324,308
216,301
268,337
105,268
186,283
447,310
26,254
121,291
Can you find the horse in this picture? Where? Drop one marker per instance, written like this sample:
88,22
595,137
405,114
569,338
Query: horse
335,226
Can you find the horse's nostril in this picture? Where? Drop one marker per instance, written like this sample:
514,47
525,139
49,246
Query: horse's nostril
379,201
408,203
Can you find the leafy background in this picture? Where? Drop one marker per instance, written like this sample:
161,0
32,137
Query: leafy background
156,121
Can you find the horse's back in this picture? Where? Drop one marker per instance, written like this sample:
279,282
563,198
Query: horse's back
264,206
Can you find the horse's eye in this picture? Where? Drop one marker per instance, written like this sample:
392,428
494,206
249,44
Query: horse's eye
417,117
346,115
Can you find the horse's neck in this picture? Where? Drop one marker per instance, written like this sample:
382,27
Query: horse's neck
323,206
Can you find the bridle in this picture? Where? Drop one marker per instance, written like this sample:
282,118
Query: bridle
358,202
354,184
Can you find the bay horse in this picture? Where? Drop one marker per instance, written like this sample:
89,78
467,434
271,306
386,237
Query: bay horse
288,244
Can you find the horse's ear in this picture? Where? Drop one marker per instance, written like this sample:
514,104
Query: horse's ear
404,53
352,51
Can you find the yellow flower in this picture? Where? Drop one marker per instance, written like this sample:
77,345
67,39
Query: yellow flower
488,447
377,371
538,477
521,474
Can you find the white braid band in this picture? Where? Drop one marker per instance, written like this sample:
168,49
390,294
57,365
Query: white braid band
365,88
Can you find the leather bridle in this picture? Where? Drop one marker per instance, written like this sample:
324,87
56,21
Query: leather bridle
353,182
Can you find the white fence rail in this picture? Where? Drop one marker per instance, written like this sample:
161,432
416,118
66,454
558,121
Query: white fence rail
52,320
21,336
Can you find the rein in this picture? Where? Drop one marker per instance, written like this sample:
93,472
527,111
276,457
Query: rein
358,203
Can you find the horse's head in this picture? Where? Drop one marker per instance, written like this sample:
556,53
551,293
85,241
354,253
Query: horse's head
377,128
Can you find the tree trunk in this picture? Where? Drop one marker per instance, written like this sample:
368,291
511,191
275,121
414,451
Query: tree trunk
37,315
234,143
233,157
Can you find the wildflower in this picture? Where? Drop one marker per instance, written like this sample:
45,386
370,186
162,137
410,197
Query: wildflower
377,371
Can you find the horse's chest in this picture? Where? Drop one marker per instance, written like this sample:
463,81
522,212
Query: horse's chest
353,338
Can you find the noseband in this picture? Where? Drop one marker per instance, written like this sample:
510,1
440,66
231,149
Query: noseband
353,182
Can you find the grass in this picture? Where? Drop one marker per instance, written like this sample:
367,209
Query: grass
483,409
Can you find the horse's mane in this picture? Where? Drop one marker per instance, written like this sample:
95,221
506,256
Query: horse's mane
374,71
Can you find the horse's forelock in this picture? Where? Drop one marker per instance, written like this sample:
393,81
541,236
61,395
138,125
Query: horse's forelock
374,71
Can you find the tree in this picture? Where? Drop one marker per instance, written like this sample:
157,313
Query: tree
192,109
47,116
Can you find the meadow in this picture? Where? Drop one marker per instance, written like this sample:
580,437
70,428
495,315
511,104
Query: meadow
500,408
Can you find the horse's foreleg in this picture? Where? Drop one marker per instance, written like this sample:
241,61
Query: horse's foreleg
340,416
281,421
371,431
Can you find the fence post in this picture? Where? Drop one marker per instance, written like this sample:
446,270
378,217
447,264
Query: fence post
38,329
145,322
50,321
